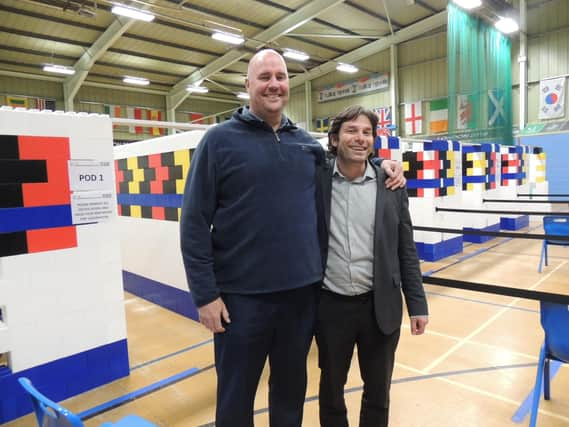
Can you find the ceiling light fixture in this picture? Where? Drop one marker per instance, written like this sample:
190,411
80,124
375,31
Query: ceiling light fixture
507,25
228,37
59,69
295,54
136,81
197,89
468,4
346,68
132,13
243,95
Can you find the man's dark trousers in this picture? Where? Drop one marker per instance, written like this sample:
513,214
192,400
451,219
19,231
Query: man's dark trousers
343,322
279,326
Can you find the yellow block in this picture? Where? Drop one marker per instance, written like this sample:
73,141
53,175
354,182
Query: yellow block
470,186
138,175
133,188
480,164
450,191
405,166
179,213
450,173
132,163
180,183
541,156
540,179
136,211
182,158
540,168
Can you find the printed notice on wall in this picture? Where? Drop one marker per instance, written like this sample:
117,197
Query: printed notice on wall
88,175
91,206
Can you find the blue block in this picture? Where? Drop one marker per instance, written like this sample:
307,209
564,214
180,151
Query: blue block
435,251
480,239
166,296
514,223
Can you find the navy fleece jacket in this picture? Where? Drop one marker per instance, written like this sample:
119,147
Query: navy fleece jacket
248,223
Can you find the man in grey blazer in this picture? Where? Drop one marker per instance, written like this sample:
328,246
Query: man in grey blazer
370,258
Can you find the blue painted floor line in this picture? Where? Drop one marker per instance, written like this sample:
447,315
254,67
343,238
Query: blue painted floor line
129,397
525,407
166,356
412,379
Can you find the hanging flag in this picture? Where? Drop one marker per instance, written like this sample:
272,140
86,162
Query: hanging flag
196,118
439,115
130,115
40,103
383,116
155,115
413,118
113,111
17,101
496,114
322,125
464,116
552,98
138,113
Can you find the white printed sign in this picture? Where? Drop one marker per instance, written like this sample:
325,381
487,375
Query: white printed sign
92,206
89,175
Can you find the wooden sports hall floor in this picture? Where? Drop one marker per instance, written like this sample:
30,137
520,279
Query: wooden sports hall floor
475,365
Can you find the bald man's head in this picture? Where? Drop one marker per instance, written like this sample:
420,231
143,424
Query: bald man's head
267,85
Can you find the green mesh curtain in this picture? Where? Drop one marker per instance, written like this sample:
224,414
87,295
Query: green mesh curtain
479,80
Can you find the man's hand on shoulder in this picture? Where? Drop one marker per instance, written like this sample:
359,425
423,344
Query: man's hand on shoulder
394,171
212,314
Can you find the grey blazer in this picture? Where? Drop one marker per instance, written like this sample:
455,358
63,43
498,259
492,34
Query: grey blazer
396,265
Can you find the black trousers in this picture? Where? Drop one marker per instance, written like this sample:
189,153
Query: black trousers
279,326
344,322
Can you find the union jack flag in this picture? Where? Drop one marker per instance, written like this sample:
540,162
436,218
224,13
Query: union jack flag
383,116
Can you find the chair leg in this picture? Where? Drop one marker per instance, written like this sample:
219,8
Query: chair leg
545,247
541,257
546,393
537,388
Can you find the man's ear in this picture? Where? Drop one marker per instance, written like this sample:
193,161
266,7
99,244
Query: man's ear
247,84
333,140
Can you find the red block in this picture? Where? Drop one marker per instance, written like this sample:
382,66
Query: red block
154,160
55,150
158,212
49,239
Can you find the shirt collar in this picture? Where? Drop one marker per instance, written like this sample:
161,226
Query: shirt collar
369,174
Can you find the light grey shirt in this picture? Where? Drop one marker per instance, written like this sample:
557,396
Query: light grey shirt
349,269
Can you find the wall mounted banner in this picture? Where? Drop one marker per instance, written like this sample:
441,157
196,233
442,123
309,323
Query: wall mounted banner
365,84
552,98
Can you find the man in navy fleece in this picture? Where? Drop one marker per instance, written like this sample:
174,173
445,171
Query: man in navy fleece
250,247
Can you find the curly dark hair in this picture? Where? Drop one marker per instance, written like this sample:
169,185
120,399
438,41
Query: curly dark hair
347,115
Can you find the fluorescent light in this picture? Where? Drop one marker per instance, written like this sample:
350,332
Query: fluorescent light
60,69
295,54
507,25
468,4
243,95
228,37
346,68
132,13
136,81
197,89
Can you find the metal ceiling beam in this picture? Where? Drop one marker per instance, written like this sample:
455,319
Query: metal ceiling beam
72,84
407,33
282,27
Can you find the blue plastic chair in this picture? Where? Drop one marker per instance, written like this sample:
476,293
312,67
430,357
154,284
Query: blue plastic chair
50,414
555,322
556,225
